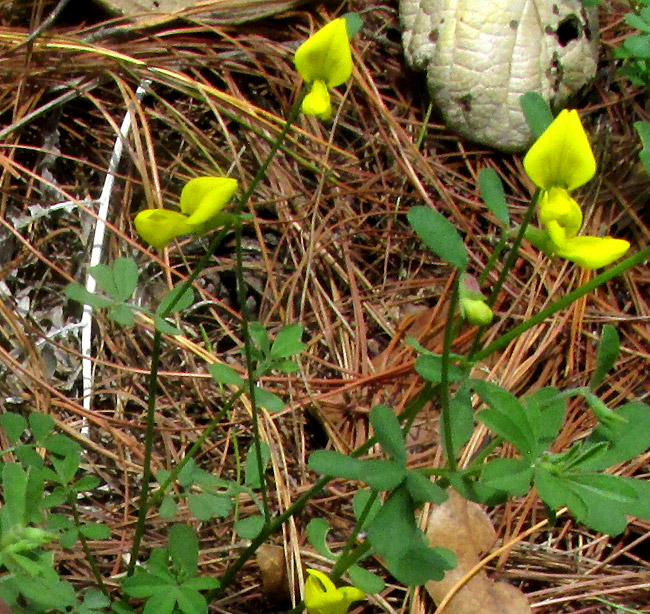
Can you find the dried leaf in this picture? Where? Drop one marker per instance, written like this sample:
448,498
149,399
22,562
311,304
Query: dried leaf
271,561
462,526
148,12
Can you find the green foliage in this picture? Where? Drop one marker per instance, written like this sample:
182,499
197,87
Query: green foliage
394,534
212,500
461,415
573,477
606,355
252,476
94,602
169,581
396,517
273,355
493,195
31,490
118,282
429,367
208,496
174,301
537,112
250,527
439,235
635,50
267,356
225,375
353,23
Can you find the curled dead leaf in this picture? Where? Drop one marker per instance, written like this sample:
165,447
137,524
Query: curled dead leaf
464,528
272,564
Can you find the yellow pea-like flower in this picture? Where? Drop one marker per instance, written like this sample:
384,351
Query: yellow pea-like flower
201,202
322,596
559,161
324,61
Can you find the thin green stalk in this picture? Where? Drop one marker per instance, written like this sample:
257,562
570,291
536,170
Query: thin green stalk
157,497
494,257
507,267
445,413
148,445
250,368
264,534
565,301
349,556
72,502
514,251
349,559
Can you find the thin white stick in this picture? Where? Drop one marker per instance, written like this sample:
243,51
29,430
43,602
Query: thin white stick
98,248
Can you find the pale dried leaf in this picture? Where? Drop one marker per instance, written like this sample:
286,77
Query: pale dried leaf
463,526
215,11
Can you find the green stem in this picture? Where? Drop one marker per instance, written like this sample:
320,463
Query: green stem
565,301
507,267
157,497
72,501
264,534
445,401
494,257
348,556
148,446
250,368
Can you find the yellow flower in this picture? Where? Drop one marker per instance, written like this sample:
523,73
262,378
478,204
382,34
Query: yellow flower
324,61
322,597
560,161
202,199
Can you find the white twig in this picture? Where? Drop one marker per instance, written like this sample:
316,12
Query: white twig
98,248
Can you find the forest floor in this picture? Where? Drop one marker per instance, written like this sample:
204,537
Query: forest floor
329,248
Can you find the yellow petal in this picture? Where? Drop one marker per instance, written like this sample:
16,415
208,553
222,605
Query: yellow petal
321,595
326,55
561,156
350,594
556,235
557,206
203,198
317,102
159,227
593,252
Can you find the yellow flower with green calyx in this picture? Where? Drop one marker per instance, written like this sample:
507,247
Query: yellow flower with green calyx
322,596
559,161
324,61
201,203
